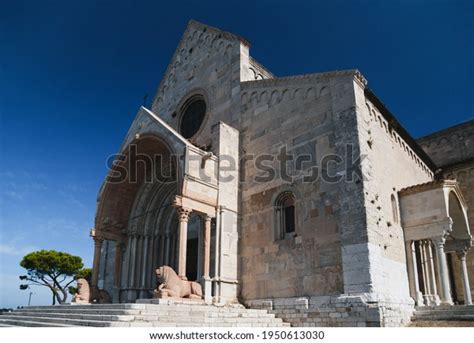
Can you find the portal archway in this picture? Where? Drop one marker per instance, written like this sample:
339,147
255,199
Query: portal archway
135,208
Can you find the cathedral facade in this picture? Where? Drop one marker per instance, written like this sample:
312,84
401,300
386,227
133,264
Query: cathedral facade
302,195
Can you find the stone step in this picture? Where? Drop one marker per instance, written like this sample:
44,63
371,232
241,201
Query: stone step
51,322
101,317
441,323
444,313
9,322
48,321
2,325
91,306
143,307
152,317
141,315
451,310
85,311
159,318
467,311
468,308
168,312
466,317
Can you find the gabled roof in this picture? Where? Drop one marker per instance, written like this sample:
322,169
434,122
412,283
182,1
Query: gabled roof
194,25
229,35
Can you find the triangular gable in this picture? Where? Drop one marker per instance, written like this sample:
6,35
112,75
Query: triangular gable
194,30
148,122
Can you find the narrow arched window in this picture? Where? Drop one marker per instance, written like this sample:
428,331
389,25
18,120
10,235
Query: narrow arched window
285,215
396,219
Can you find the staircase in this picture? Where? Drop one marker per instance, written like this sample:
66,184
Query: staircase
162,313
443,316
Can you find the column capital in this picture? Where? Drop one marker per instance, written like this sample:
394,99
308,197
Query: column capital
98,240
439,241
206,217
183,214
461,254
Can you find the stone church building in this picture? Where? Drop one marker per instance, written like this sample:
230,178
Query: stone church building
302,195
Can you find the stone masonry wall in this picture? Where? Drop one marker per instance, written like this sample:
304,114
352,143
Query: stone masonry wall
389,165
336,311
366,291
450,145
293,114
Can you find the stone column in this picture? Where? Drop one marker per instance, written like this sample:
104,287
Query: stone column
167,250
126,265
443,271
183,216
413,273
432,274
425,272
207,245
118,263
133,261
207,259
145,264
96,264
465,278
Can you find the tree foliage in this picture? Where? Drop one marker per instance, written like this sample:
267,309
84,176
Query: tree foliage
53,269
84,273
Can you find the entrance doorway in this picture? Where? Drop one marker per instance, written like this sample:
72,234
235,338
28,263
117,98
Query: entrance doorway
192,249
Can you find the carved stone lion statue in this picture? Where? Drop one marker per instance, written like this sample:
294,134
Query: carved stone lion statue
101,296
83,292
87,295
171,285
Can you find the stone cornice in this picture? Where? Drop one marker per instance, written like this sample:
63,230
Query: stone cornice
254,63
449,184
228,35
422,187
459,128
276,81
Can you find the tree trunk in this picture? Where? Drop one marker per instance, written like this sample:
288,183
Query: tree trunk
64,298
58,298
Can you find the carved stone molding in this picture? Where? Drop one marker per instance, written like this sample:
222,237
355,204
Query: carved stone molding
461,254
183,214
439,241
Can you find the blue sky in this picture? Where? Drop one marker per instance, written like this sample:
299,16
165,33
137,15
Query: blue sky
72,75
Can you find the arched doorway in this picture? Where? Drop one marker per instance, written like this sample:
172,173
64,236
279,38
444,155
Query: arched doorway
136,204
